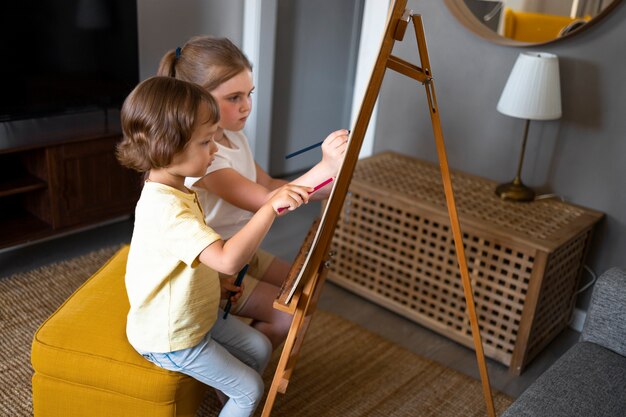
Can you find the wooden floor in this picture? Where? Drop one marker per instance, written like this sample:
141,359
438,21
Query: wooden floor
284,240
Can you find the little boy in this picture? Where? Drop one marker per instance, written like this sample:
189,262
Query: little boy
174,259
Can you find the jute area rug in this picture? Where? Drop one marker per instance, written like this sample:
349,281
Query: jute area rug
343,370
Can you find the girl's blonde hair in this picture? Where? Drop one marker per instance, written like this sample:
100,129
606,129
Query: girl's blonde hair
204,60
158,118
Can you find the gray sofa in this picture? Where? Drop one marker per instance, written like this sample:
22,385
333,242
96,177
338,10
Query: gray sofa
590,378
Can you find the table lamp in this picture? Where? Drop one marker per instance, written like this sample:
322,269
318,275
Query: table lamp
532,92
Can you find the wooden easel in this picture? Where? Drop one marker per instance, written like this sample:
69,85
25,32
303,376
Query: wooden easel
305,289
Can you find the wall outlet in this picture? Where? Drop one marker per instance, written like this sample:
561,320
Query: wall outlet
578,319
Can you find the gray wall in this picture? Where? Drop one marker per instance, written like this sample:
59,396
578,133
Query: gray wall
316,49
581,157
166,24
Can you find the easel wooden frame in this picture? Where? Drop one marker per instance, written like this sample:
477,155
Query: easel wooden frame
304,300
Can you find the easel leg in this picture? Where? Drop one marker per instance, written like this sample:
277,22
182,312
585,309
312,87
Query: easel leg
282,364
452,213
307,302
396,25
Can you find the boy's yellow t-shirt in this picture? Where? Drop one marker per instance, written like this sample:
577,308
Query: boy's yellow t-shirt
174,298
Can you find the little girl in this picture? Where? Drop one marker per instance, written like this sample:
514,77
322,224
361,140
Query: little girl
172,271
234,186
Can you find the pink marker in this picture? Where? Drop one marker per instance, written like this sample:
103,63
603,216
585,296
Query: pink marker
317,187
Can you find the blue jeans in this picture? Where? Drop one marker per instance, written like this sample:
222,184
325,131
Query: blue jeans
230,358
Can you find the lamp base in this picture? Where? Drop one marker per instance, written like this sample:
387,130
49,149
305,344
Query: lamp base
515,191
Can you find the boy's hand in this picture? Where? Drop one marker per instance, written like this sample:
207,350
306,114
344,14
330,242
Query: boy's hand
334,150
227,286
289,197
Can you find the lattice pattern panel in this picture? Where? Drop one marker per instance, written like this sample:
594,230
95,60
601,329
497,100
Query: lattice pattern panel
422,181
557,297
394,246
408,258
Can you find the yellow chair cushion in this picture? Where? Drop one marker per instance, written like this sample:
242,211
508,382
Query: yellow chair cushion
83,346
533,27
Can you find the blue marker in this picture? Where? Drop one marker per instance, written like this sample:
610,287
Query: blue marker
238,281
308,148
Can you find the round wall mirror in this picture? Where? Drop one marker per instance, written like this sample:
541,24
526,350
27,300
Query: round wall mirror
529,22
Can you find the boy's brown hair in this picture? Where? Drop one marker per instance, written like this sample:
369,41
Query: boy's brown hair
205,60
158,118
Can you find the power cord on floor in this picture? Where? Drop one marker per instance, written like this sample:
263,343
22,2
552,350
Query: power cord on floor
589,270
546,196
590,283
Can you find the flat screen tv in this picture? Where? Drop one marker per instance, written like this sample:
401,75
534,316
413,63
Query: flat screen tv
66,56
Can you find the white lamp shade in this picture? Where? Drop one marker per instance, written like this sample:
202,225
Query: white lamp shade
533,90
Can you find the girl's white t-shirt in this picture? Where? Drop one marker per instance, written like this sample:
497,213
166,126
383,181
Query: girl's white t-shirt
220,215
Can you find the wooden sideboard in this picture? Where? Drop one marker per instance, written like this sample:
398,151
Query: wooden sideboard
54,188
394,246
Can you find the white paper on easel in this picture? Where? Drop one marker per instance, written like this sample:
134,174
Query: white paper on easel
316,238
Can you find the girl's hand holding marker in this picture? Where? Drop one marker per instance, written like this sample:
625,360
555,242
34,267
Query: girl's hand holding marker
317,187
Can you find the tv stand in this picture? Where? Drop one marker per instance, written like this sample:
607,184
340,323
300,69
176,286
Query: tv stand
49,189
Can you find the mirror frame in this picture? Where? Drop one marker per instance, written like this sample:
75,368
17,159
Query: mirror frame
464,16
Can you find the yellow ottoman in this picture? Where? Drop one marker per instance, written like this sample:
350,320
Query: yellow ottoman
84,365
